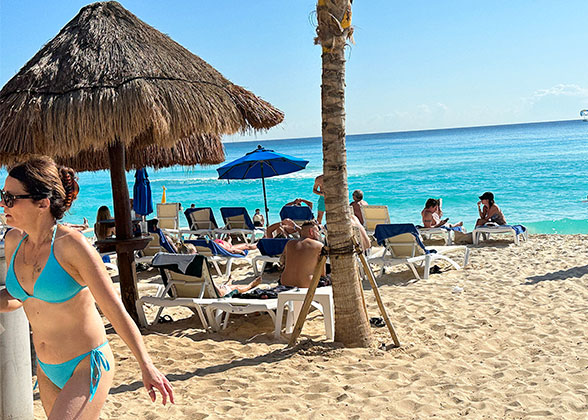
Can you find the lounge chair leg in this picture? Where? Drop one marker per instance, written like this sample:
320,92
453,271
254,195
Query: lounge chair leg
415,272
228,267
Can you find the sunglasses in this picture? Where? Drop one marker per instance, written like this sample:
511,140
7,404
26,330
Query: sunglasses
9,198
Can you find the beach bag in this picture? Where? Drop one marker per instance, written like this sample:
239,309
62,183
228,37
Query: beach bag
460,238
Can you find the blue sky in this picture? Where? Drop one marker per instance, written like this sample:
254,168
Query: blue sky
415,65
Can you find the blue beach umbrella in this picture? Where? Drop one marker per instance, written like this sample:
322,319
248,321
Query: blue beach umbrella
142,202
261,163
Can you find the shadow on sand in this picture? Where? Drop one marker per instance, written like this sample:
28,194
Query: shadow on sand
307,347
575,272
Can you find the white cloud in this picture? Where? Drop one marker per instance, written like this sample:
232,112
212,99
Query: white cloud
561,89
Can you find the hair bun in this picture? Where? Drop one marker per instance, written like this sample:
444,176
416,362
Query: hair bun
70,184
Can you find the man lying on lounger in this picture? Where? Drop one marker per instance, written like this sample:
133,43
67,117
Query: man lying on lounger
300,257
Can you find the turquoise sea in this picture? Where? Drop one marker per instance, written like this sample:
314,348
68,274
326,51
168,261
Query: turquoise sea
538,173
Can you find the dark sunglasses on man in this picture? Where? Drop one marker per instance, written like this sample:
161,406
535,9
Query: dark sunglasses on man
9,198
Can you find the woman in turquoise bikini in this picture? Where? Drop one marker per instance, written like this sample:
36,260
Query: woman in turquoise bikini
58,277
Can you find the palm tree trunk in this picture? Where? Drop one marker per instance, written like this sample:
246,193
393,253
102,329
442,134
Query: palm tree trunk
351,324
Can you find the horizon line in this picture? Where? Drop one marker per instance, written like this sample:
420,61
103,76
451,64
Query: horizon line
408,131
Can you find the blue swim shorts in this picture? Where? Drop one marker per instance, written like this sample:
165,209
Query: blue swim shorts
321,203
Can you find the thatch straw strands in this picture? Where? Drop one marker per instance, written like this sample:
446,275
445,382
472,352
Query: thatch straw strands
108,76
196,150
203,150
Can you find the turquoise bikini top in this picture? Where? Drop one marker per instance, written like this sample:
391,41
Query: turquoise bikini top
54,284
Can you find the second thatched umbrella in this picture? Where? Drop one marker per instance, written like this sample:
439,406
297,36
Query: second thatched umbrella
107,84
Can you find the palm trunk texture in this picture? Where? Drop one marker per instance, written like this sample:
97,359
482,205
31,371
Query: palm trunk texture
351,322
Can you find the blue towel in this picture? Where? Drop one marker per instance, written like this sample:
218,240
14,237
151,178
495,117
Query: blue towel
519,229
192,210
454,228
383,232
272,247
163,242
296,213
237,211
214,247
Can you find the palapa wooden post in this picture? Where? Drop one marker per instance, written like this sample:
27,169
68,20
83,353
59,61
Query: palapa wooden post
124,231
372,280
316,276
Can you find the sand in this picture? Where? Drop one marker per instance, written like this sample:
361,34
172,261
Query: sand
512,345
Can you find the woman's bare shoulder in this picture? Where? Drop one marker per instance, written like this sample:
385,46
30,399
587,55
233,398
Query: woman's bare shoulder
70,238
13,236
11,240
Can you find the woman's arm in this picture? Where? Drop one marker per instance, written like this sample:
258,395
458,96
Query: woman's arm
86,261
7,302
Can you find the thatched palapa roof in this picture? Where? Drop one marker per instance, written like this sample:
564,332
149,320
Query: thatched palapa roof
108,76
195,150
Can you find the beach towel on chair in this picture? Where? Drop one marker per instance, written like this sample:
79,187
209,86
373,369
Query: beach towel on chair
384,232
519,229
215,248
272,247
296,213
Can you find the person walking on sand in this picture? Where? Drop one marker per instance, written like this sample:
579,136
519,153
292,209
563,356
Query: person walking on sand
58,278
318,189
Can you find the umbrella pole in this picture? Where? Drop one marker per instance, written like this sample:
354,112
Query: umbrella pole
124,230
264,199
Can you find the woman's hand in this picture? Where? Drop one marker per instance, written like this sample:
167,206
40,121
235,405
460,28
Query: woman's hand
153,378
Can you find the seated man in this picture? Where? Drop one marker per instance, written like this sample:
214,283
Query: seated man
283,229
356,204
300,257
299,202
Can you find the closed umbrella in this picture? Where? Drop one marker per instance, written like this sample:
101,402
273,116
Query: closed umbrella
261,163
142,202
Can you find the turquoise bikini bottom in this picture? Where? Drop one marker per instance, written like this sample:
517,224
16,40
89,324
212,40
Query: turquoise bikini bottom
60,373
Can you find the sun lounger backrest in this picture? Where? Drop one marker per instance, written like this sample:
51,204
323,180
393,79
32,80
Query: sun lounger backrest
237,218
191,286
373,216
201,218
272,247
403,246
167,215
296,213
236,222
152,247
191,279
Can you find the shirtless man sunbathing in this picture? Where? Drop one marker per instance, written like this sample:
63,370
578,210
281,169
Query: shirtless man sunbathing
300,257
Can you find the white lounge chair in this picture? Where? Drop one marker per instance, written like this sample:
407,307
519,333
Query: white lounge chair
238,223
428,233
485,231
270,250
190,284
373,216
201,222
403,245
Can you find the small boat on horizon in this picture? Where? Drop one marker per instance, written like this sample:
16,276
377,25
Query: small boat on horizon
584,114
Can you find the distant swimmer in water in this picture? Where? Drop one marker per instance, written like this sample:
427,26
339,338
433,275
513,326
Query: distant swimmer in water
585,201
